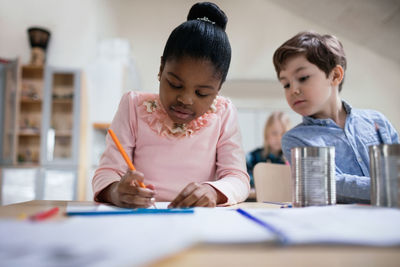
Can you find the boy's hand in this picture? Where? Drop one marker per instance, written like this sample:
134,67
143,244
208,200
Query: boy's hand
128,194
197,195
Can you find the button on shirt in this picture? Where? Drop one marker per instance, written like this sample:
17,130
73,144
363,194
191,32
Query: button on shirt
351,147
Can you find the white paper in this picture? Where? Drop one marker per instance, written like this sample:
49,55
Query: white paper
94,241
213,225
350,224
137,240
120,240
227,226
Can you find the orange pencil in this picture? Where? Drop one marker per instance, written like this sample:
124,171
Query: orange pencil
124,155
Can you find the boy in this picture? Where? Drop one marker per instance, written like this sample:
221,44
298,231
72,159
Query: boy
311,68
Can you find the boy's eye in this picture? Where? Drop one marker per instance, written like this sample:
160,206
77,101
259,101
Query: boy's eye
174,85
200,94
304,78
286,86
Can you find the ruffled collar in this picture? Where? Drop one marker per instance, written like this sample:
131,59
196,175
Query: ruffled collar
154,114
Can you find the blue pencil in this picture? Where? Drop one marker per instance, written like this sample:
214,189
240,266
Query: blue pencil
282,204
130,212
281,237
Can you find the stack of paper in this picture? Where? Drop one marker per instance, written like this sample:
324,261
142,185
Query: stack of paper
349,224
94,240
136,239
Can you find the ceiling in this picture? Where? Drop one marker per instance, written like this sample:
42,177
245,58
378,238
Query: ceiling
374,24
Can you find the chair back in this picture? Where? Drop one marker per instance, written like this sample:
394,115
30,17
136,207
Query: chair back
273,182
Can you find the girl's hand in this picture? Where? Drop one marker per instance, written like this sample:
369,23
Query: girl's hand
127,193
197,195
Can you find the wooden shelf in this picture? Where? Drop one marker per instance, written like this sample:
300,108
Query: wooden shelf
33,67
63,133
62,101
32,72
27,164
101,126
26,100
29,133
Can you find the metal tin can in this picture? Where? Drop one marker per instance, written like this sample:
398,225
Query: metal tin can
385,175
313,175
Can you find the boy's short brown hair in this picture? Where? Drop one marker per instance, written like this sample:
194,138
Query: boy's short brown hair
324,51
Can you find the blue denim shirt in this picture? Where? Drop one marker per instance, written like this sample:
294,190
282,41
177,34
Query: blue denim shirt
351,147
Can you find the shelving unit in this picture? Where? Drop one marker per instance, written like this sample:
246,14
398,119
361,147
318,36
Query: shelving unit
29,115
9,84
41,129
61,117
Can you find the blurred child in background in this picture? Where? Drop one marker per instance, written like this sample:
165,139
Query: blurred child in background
276,125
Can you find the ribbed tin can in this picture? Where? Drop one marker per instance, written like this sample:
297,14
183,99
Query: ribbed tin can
313,175
385,175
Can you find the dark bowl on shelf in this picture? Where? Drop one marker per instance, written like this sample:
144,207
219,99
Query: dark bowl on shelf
39,37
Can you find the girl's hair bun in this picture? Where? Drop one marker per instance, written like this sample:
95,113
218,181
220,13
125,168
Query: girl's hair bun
208,12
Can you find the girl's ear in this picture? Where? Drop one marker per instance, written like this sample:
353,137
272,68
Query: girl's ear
162,64
337,75
220,85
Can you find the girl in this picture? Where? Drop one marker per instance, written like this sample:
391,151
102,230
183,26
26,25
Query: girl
186,140
277,124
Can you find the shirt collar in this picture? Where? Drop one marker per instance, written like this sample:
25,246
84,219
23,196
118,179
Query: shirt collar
326,122
347,107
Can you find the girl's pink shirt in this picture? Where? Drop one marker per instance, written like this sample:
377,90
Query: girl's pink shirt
213,154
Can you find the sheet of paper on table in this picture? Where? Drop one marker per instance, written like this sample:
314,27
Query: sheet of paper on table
340,224
120,240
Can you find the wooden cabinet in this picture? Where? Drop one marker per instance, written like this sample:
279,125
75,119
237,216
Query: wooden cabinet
9,73
40,117
29,115
61,117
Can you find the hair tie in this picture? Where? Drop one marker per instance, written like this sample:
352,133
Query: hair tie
206,20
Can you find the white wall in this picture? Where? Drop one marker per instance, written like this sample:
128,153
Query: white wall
256,28
72,25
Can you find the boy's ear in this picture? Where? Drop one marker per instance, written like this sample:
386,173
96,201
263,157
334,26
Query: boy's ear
337,75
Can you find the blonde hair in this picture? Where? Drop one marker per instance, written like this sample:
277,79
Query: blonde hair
277,116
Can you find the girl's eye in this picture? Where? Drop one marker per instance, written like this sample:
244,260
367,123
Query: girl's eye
200,94
304,78
286,86
173,85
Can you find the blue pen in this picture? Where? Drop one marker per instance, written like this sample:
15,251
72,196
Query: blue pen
281,236
131,212
282,204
